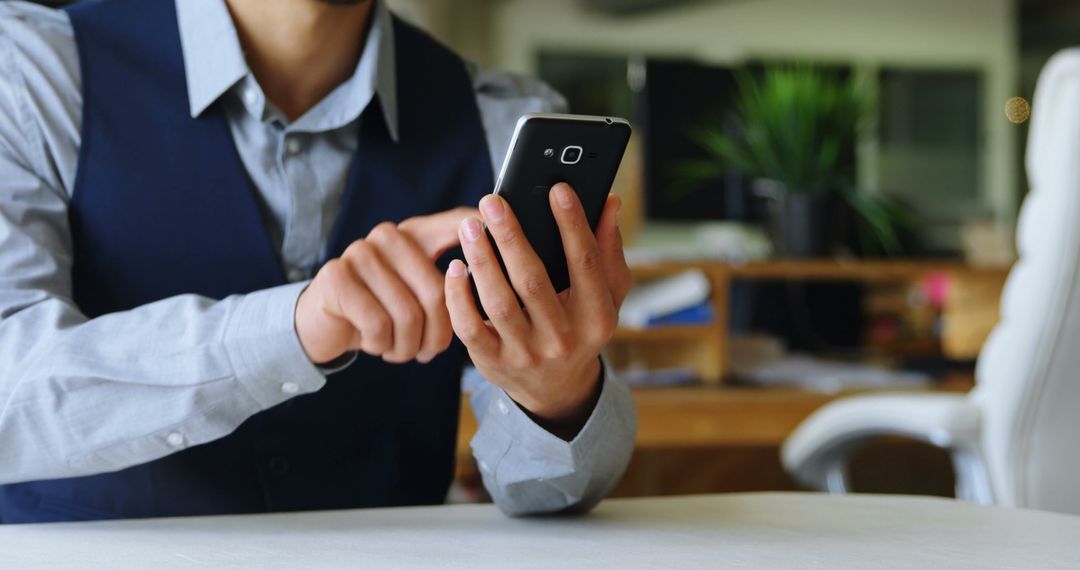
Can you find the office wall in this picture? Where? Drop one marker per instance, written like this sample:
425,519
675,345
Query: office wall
870,33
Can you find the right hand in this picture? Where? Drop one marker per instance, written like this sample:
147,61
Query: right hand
384,295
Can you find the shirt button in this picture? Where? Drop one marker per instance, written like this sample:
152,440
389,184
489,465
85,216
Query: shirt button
290,387
175,439
296,275
502,407
292,146
250,96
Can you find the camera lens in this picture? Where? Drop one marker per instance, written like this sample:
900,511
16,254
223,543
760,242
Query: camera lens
571,155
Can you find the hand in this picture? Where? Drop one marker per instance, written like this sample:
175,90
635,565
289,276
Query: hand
384,295
546,357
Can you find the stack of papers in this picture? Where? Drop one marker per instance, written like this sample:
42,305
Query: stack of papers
681,298
830,376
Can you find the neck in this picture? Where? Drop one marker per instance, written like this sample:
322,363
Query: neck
300,50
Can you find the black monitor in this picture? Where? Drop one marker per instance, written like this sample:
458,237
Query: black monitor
674,99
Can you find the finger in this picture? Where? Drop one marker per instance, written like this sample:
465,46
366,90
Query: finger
425,282
496,295
394,296
349,299
610,241
438,232
464,315
527,273
583,259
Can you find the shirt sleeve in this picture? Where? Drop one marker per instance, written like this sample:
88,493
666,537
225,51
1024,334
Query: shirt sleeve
81,396
527,470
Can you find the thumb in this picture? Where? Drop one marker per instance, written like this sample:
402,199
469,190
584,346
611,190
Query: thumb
437,233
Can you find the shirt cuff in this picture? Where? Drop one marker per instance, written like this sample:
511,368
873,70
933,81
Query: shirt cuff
264,349
512,451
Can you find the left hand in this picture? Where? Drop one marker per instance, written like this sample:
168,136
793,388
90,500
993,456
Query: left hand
545,355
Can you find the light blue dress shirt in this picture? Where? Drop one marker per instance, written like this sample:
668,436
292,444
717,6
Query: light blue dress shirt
81,396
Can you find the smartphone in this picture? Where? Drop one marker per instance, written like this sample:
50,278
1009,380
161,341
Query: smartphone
582,150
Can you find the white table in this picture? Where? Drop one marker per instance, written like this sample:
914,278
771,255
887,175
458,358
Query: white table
757,530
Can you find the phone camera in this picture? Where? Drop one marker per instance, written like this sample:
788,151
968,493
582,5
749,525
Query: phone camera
571,155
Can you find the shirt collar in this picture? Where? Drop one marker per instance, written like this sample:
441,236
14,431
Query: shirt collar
214,63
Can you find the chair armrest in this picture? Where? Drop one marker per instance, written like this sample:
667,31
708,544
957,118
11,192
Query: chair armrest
817,452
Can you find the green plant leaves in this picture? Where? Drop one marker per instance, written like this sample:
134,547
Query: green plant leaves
795,121
792,124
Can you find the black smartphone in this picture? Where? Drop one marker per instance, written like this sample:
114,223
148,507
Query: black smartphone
583,151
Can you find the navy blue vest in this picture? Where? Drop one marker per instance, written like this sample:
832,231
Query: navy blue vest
162,206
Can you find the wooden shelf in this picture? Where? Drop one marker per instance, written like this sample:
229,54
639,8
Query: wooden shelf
705,347
664,333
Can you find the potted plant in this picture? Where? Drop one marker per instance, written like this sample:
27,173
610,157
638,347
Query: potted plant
792,131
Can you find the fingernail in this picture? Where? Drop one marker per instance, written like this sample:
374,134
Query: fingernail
424,358
493,208
563,197
617,204
456,269
471,228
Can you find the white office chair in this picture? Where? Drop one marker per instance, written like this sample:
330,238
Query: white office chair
1015,438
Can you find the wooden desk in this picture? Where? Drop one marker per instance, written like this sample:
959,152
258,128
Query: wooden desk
705,347
757,531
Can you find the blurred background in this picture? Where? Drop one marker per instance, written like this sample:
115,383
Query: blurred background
940,71
820,201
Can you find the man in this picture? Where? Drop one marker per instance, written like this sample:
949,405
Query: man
218,294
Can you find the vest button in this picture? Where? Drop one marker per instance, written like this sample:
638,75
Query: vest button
296,275
278,465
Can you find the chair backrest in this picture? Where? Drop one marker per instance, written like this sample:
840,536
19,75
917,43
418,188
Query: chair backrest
1028,377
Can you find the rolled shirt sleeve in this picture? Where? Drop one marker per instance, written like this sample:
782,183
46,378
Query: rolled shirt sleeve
527,470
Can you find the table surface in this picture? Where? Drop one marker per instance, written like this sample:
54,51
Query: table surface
759,530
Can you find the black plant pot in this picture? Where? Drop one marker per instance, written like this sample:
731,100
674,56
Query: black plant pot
801,224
